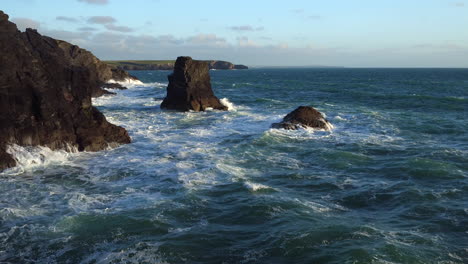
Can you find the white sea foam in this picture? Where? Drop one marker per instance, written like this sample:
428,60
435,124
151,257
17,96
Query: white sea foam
142,252
328,126
228,104
127,81
28,157
254,187
340,118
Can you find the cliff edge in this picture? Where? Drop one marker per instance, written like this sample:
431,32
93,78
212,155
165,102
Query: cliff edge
45,99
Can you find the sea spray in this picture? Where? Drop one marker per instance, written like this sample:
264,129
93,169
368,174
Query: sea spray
228,104
29,157
127,82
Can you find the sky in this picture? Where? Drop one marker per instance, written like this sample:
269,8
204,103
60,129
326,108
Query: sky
349,33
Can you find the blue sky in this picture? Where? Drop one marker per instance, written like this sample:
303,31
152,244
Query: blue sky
351,33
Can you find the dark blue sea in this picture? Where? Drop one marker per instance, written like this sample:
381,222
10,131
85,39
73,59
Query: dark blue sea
389,183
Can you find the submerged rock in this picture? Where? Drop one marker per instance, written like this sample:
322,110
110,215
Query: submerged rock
46,100
190,87
303,116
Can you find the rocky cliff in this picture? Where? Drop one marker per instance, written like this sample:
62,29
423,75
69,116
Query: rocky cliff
100,72
45,99
190,87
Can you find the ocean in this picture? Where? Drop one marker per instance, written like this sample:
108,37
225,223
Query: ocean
388,184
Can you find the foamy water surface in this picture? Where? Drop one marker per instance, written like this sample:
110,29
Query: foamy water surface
387,184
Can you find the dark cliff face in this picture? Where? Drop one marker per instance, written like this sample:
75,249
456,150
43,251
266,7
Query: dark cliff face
190,87
100,72
46,100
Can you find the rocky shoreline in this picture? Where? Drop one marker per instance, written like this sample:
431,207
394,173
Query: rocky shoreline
46,87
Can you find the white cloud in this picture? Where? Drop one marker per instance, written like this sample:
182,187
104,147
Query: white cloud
246,28
206,39
245,42
67,19
77,38
23,23
87,29
101,20
95,2
118,28
243,50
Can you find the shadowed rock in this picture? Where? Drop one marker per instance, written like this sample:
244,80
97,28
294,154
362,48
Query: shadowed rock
100,72
303,116
190,87
46,100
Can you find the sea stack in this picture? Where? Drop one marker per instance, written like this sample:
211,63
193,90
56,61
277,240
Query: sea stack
190,87
46,100
305,117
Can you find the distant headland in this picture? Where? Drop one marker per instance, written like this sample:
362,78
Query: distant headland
155,65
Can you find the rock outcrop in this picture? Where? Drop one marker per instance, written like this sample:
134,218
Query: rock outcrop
100,72
225,65
304,116
190,87
240,67
46,100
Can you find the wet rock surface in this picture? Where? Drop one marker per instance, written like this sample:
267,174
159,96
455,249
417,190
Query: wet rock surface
190,87
46,100
100,72
303,117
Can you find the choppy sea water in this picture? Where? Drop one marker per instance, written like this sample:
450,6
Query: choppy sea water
389,184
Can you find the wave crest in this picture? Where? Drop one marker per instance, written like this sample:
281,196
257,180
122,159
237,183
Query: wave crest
28,157
228,104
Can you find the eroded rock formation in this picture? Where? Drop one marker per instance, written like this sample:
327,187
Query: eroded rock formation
46,100
190,87
100,72
304,116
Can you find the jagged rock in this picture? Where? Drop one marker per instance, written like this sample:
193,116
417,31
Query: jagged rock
6,160
100,72
46,100
303,116
190,87
120,75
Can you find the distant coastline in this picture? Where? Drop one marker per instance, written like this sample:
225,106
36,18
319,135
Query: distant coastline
168,65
